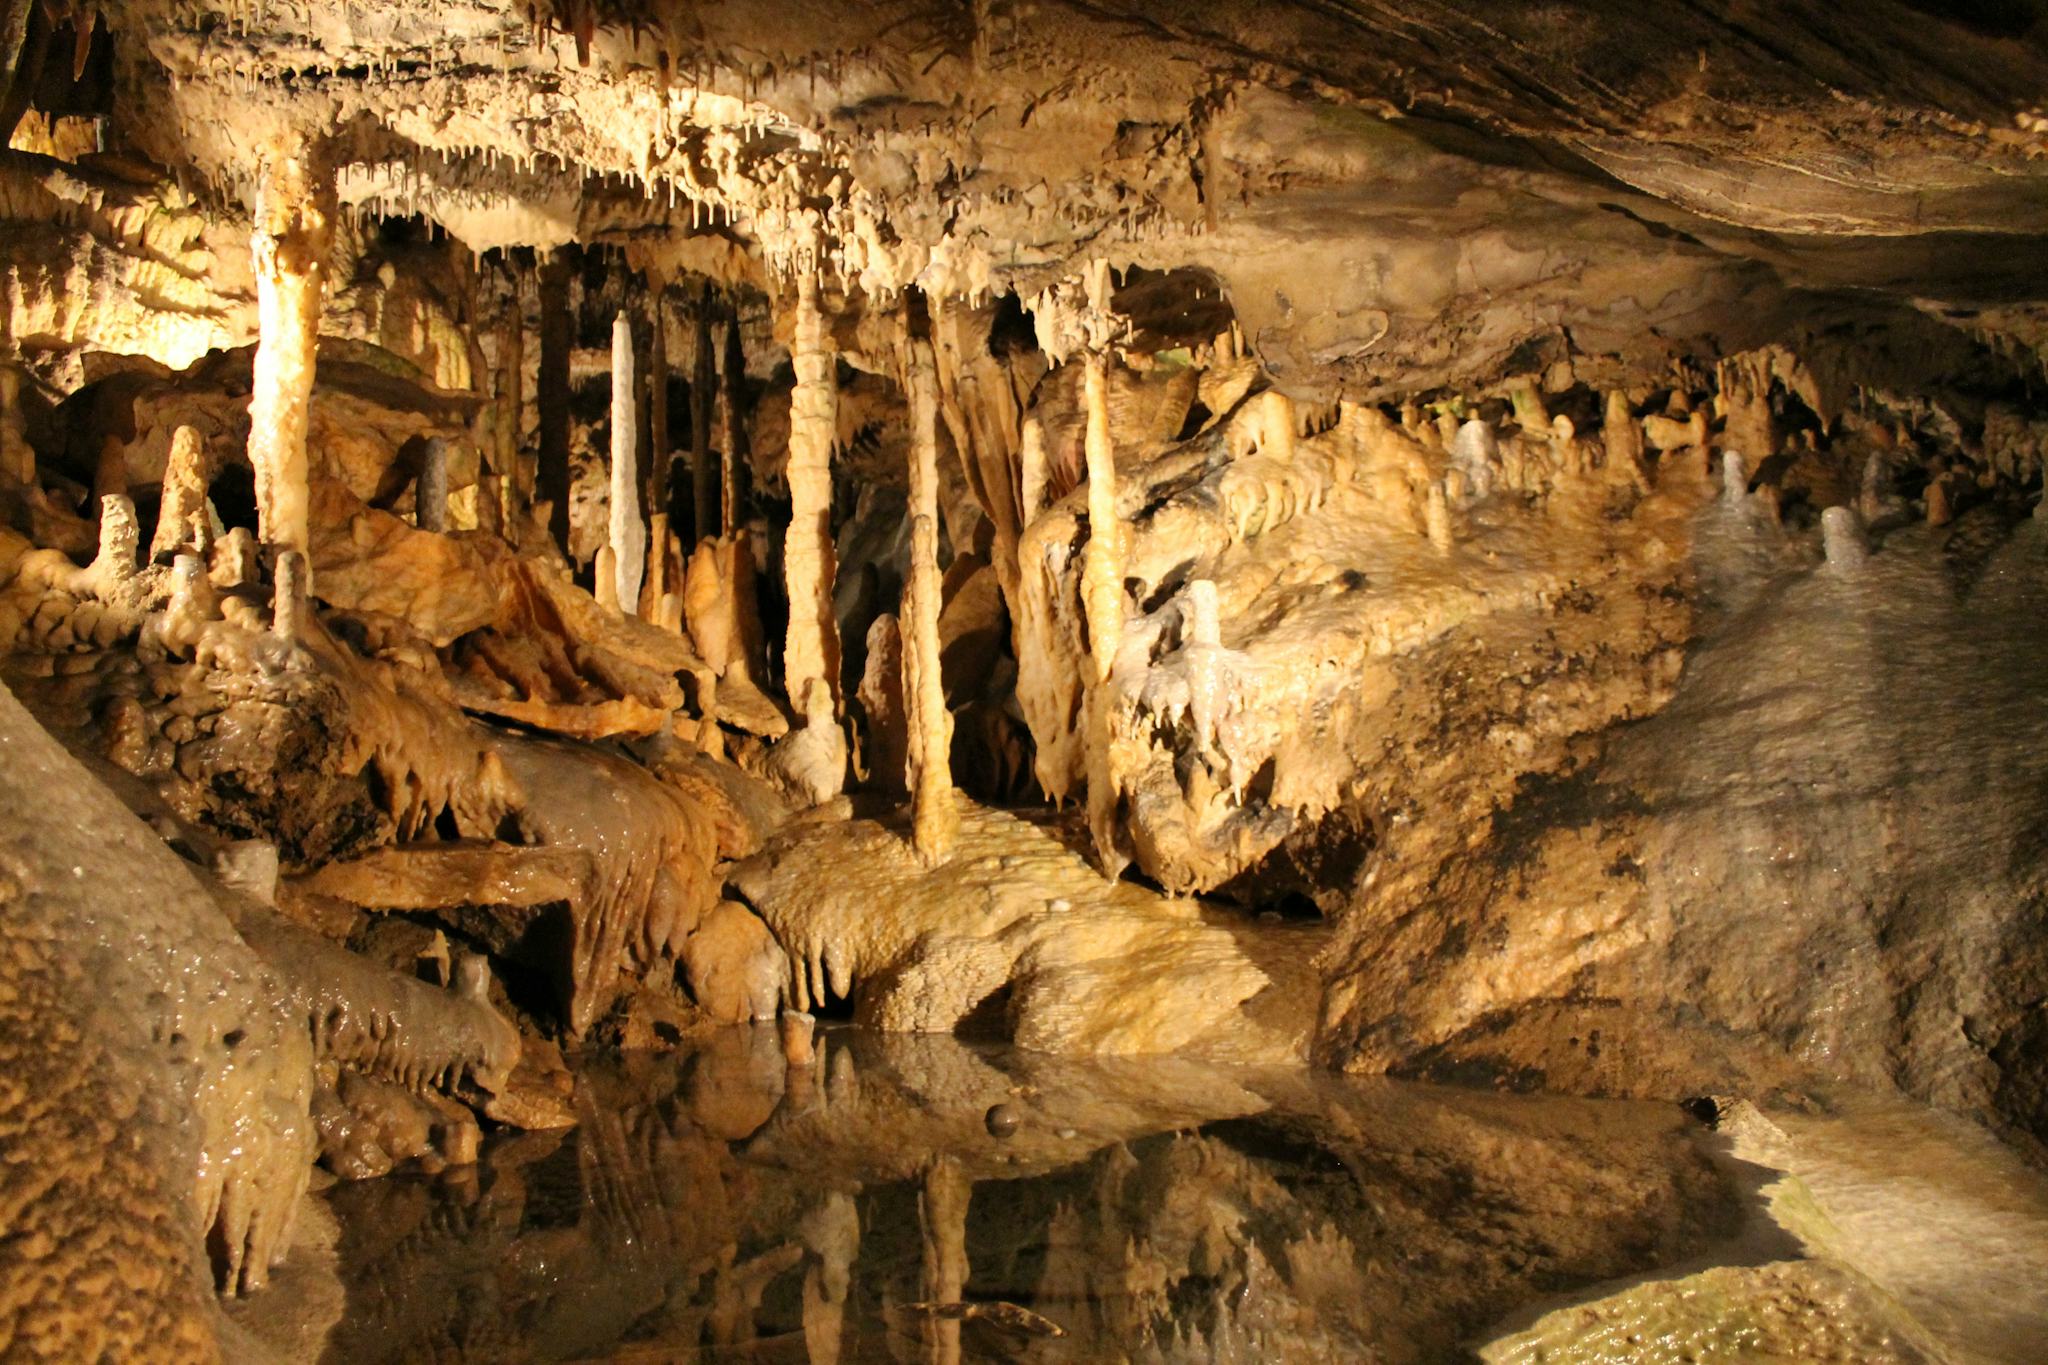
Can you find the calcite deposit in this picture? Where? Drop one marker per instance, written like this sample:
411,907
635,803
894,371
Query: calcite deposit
1492,545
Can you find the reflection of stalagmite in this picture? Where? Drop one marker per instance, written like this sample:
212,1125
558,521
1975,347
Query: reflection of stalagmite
942,1212
184,494
924,695
294,214
812,650
831,1238
629,536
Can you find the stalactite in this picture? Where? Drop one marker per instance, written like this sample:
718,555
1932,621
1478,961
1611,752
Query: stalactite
184,494
935,820
552,394
703,473
294,221
629,535
812,648
733,458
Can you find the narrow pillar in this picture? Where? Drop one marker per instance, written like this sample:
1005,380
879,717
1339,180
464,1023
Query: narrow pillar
511,398
552,395
184,493
732,473
17,456
294,224
629,536
1102,592
430,491
808,562
660,453
703,473
1622,438
934,818
1102,601
1031,473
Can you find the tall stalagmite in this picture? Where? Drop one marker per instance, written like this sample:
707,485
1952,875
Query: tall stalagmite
511,403
924,695
732,470
629,534
551,394
808,561
184,494
294,225
1102,600
659,452
703,473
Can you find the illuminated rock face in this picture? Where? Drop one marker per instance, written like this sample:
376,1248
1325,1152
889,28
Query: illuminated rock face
1513,488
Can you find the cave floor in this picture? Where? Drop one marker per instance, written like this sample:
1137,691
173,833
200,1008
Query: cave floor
918,1198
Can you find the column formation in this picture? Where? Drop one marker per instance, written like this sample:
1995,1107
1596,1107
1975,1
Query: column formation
808,560
934,817
294,227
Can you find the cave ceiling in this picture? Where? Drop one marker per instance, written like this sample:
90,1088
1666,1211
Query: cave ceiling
1394,197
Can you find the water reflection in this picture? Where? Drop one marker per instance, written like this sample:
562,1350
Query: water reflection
715,1207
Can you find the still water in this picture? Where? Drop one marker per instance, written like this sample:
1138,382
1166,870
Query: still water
917,1199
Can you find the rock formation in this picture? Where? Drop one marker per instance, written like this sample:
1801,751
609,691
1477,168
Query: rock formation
1489,544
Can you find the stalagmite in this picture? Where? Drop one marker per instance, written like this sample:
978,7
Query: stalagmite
732,471
629,534
703,473
17,456
430,493
511,399
1841,534
1102,594
1622,438
1476,451
291,608
812,649
1438,518
924,695
552,394
660,451
1734,476
1102,601
1031,471
294,217
184,494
